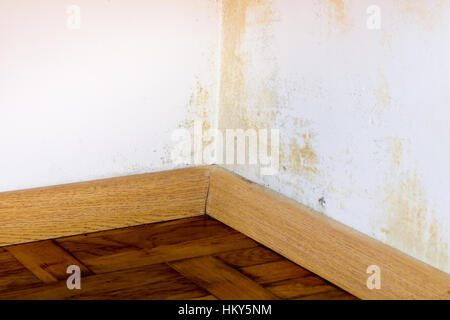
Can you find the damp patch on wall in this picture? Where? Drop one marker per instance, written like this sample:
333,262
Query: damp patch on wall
408,220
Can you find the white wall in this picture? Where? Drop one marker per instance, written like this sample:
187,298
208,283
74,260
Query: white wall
363,114
101,101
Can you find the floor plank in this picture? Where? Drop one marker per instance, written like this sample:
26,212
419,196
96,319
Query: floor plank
147,236
208,297
288,280
288,289
335,294
46,260
249,257
151,282
167,253
275,271
13,274
221,280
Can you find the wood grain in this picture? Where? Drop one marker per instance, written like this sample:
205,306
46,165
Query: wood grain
275,271
51,212
249,257
301,287
167,253
13,274
148,236
329,249
152,282
221,280
154,243
333,294
133,263
46,260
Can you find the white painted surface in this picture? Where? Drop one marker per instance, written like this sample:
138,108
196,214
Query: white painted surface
101,101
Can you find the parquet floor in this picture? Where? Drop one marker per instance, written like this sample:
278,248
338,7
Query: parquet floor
197,258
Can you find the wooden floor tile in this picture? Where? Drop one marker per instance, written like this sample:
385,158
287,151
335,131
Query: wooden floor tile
166,253
221,280
208,297
46,260
147,236
275,271
288,289
13,274
152,282
335,294
249,257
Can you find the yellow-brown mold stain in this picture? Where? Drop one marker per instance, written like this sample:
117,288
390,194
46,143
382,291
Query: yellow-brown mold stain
383,93
199,109
262,12
410,225
408,210
337,11
438,246
427,14
232,83
267,97
337,14
386,39
301,157
235,110
302,123
397,153
201,106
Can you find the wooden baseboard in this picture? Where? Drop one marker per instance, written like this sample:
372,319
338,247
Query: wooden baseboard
328,248
51,212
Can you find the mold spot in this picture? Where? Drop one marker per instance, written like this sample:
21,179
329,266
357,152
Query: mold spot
302,158
410,223
199,108
337,14
386,40
383,93
200,102
322,202
423,13
337,11
243,103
